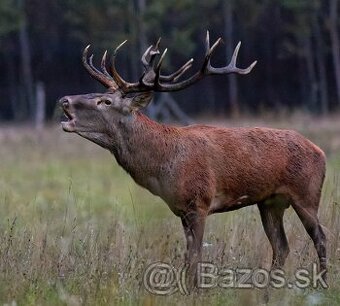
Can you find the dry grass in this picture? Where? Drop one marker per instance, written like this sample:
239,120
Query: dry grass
75,229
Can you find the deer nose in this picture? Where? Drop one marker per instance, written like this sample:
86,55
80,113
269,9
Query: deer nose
65,102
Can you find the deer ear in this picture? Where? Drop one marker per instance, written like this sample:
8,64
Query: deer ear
141,100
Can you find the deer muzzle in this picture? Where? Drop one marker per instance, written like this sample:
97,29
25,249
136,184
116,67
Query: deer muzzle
70,124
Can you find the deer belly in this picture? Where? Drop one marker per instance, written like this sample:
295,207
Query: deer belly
222,202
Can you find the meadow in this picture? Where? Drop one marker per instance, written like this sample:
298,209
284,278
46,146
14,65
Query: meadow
76,230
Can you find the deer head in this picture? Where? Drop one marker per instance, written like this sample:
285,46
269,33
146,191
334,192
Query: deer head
96,114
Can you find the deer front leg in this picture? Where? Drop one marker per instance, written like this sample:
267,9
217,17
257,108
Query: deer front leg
193,224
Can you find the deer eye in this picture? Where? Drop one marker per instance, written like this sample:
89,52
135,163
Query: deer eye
107,102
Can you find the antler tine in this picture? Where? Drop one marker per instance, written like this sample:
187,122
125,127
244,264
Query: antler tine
145,55
158,43
235,55
119,46
158,67
177,74
109,78
150,51
185,68
95,73
233,62
207,43
90,61
103,65
214,46
231,67
115,75
209,51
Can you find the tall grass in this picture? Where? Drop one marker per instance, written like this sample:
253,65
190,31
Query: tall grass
75,229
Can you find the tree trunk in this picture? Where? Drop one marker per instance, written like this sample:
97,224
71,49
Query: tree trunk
228,29
132,25
334,33
312,80
16,109
25,52
40,109
142,43
320,60
212,104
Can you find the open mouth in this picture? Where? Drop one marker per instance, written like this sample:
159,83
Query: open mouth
70,124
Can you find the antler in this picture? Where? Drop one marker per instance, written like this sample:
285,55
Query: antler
206,69
104,78
151,52
152,79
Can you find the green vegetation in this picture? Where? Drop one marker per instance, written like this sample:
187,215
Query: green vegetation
75,229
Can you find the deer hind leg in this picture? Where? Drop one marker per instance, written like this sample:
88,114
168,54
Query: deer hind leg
272,211
307,211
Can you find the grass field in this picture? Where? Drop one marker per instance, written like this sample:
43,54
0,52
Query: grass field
76,230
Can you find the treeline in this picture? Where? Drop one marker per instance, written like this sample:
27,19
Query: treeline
296,43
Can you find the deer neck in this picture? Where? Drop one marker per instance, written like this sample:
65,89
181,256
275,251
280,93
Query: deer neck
141,145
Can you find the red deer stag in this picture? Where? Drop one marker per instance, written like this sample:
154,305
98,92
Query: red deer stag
200,170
